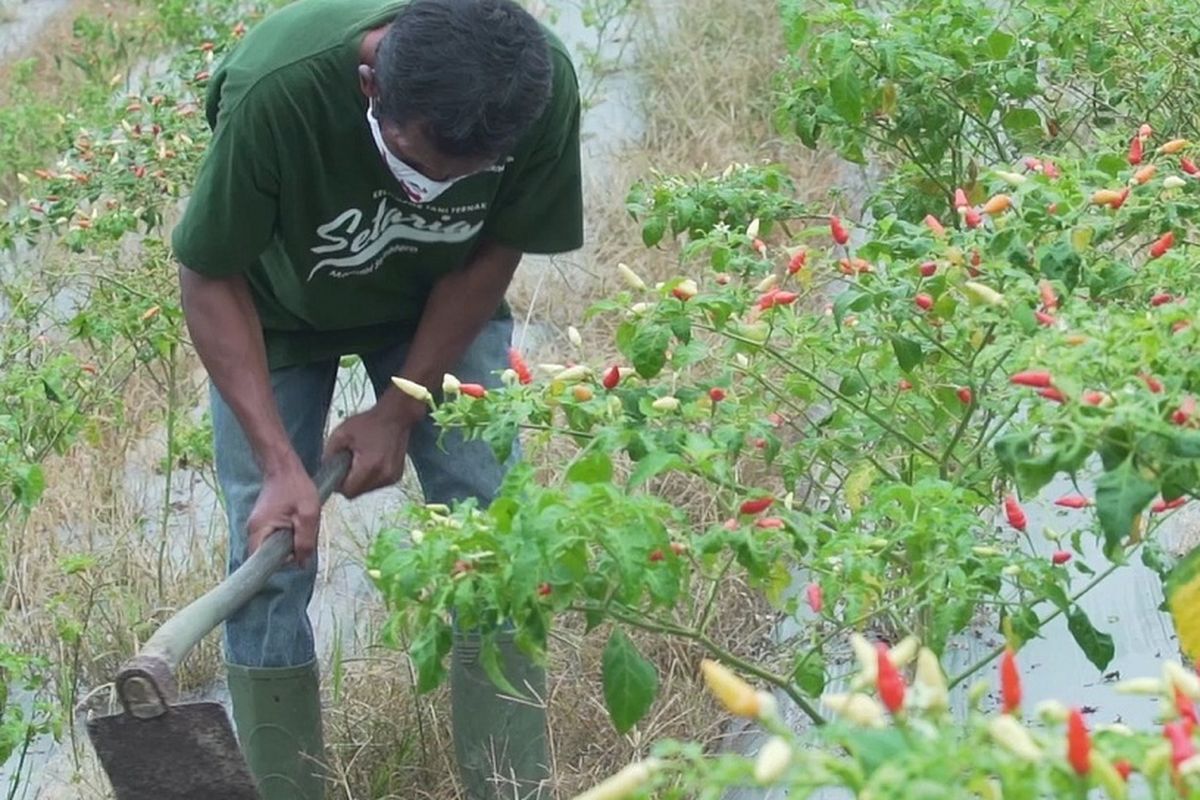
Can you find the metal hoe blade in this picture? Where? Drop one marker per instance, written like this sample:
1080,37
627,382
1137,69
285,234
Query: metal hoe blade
187,753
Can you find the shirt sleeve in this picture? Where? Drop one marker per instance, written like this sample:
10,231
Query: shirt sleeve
231,215
539,207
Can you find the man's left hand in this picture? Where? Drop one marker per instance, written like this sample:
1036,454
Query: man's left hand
378,443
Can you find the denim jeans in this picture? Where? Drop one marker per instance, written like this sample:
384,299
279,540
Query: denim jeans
273,629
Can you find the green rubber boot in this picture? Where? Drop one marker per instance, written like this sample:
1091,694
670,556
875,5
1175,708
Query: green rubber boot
500,740
277,713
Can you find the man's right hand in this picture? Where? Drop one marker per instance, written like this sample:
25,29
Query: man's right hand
288,499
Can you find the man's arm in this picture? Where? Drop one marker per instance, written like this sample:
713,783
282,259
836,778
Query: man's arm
226,332
459,306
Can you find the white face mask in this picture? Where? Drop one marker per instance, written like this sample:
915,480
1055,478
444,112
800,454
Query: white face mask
418,188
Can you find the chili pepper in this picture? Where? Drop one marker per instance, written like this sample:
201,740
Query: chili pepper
730,525
1152,383
1010,682
935,225
1173,146
997,204
1010,734
737,696
1159,506
1014,513
797,262
1182,746
1049,296
1180,325
631,278
450,384
461,567
656,556
544,590
973,218
1053,394
1044,319
473,390
722,278
839,233
1185,411
1060,557
1011,178
1123,768
1050,170
923,301
769,523
1186,709
1122,196
928,269
413,389
582,393
760,247
685,290
1079,743
1093,398
905,384
1033,164
965,396
773,760
776,297
1145,131
679,548
1073,501
1144,174
979,294
815,597
931,681
667,403
1173,182
888,680
756,506
524,375
612,377
1162,244
1188,166
858,708
960,199
624,783
1039,379
976,258
1161,299
1135,151
716,394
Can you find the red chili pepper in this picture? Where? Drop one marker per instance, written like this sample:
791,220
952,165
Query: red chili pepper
1073,501
1092,397
1038,379
973,218
905,384
716,394
679,548
544,590
1162,244
797,262
1053,394
783,298
1014,513
1049,297
656,556
1182,746
889,681
612,377
1010,682
923,301
1060,557
1079,743
524,375
1152,383
960,199
1050,171
1185,411
935,225
760,247
1159,506
1180,325
756,506
1186,709
1188,166
1145,131
769,523
1123,768
1161,299
965,395
928,269
1044,319
1135,151
1120,199
766,300
473,390
840,235
815,597
976,258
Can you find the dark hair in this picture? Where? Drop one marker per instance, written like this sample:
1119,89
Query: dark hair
474,73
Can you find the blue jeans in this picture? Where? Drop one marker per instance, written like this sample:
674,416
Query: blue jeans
273,629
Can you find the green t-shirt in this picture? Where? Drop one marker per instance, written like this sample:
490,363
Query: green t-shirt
293,193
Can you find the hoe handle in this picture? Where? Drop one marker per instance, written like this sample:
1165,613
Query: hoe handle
146,683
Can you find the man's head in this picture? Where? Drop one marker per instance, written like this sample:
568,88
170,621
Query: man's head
456,83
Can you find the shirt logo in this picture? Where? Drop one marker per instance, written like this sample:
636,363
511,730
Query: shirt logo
355,244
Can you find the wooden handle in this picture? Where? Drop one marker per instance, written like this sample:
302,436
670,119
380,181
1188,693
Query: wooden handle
178,635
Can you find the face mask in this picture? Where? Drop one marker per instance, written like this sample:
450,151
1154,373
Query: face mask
418,188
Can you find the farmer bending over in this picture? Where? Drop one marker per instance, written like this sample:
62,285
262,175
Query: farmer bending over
377,169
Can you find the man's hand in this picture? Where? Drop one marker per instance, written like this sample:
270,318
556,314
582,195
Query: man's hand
378,442
288,499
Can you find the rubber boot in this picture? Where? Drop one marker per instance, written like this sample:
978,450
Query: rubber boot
500,741
277,713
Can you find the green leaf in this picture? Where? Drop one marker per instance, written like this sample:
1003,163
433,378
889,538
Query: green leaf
593,467
1121,495
1097,646
1061,262
999,43
489,659
649,350
428,652
630,681
810,675
651,466
846,94
1021,120
653,230
908,352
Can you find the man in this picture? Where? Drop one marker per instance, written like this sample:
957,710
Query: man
377,170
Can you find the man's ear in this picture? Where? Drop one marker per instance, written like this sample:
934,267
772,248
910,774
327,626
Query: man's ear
366,80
